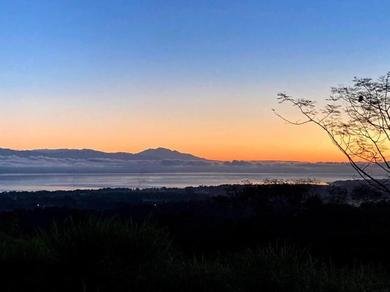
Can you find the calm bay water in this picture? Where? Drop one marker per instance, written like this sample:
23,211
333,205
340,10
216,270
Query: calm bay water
51,182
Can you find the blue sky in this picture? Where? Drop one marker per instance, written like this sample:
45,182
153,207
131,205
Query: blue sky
195,60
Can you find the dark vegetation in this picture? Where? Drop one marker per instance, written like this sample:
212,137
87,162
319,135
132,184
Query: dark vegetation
228,238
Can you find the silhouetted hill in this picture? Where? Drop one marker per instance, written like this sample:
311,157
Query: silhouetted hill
154,161
149,154
163,153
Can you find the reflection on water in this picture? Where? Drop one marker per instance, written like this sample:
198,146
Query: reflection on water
35,182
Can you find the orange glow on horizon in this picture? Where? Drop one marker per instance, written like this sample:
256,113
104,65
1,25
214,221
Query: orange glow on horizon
232,133
214,153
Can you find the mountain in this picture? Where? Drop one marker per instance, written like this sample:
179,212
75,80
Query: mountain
149,154
165,154
159,160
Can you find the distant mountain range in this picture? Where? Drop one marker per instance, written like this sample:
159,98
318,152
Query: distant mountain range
157,160
149,154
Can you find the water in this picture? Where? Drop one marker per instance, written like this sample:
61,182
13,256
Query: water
52,182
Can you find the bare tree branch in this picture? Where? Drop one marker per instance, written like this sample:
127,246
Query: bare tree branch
357,120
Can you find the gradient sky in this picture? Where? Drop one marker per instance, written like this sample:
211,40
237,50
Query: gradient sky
196,76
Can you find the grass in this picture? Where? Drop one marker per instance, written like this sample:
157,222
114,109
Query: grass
113,255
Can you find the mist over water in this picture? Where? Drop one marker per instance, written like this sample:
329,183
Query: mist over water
52,182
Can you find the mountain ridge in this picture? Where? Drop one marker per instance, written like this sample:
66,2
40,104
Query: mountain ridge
158,153
154,160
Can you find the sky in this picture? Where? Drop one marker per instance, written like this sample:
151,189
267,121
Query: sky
195,76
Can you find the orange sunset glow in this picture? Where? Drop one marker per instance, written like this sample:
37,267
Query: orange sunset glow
276,141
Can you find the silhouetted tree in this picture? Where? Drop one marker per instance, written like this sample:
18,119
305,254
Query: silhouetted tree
357,120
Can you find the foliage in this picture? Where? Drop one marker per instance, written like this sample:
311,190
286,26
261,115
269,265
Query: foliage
113,255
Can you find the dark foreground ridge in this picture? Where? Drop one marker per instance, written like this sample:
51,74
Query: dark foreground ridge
227,238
